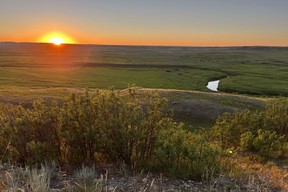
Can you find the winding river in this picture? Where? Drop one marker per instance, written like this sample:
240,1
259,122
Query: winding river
213,85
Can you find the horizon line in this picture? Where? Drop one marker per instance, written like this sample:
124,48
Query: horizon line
143,45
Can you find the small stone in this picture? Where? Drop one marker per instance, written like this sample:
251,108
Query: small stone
55,190
186,185
145,180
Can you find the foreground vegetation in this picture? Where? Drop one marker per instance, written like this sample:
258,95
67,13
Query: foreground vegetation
102,127
262,133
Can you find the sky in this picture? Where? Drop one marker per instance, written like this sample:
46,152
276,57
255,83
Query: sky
148,22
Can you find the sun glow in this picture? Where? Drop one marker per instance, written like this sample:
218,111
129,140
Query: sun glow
56,39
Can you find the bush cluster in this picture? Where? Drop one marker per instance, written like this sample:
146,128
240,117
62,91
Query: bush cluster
136,129
104,127
29,135
263,133
186,154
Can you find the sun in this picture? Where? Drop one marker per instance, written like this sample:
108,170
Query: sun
56,38
56,41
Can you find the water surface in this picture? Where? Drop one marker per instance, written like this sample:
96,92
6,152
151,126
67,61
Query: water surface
213,85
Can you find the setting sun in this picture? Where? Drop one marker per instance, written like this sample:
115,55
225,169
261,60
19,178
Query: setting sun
56,41
56,38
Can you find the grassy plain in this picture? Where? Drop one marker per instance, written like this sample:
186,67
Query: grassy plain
251,70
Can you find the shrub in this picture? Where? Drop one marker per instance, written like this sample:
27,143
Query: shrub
79,128
30,135
134,129
247,141
276,117
263,133
229,127
180,152
268,144
122,129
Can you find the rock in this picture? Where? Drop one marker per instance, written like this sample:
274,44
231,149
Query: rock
186,185
144,180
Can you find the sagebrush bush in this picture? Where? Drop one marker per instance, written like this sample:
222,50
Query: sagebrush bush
180,152
121,129
30,135
263,133
229,127
276,117
268,144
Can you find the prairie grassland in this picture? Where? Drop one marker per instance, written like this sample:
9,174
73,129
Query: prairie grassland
104,77
251,70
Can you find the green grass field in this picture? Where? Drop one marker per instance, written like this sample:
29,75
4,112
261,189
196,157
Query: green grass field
104,77
251,70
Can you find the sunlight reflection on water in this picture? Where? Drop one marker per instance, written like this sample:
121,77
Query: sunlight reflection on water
213,85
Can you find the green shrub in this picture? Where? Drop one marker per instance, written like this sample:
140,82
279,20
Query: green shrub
122,129
276,117
30,135
247,141
180,152
262,133
135,129
265,143
229,127
79,128
268,144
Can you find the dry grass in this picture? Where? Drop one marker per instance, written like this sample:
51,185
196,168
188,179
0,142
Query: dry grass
275,175
260,176
255,177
